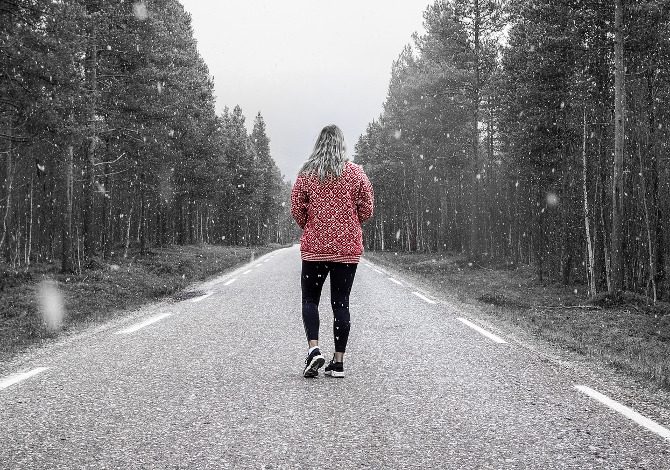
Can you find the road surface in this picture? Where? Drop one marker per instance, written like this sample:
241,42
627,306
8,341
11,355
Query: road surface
215,382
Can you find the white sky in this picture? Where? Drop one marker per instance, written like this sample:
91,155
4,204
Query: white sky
303,63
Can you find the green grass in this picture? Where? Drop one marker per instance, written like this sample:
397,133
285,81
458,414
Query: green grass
623,330
105,289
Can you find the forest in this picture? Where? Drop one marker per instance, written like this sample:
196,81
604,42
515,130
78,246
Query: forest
531,132
109,138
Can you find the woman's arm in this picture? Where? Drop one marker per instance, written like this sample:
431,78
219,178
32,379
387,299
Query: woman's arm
299,201
366,198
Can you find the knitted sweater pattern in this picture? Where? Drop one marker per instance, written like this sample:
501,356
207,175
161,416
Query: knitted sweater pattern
330,214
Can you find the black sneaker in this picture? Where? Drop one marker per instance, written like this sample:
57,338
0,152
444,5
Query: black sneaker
334,369
313,363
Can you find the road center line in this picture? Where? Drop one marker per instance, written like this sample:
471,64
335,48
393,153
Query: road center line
629,413
423,297
141,325
202,297
230,281
482,331
16,378
395,280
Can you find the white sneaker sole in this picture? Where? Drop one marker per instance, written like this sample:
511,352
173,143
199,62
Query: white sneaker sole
334,373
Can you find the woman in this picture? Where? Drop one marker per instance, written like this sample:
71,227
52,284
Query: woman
330,199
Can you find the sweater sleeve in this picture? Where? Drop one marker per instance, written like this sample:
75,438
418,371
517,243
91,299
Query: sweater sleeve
299,200
366,197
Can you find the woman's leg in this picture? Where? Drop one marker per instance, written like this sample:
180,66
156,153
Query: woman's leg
341,279
312,279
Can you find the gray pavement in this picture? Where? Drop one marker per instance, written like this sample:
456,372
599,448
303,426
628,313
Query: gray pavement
217,384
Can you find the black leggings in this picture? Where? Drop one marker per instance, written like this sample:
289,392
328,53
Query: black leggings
341,279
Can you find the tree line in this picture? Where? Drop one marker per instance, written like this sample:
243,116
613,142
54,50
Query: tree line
109,138
531,132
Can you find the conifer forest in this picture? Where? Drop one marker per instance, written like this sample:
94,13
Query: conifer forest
532,132
514,131
109,137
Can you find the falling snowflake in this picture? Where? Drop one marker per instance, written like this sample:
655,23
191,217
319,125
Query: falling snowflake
140,11
51,304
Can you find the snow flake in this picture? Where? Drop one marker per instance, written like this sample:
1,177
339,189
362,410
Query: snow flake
140,11
51,304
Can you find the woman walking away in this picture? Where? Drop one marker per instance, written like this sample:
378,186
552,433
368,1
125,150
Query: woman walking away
330,199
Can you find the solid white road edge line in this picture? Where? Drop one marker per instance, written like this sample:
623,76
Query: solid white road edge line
395,280
230,281
629,413
423,297
134,328
482,331
202,297
16,378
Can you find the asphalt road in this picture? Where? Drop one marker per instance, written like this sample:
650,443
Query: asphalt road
215,382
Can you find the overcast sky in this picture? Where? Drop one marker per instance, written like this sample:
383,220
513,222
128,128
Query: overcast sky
303,63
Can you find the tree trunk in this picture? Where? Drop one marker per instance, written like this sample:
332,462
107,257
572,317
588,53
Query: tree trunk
9,183
587,223
66,220
619,131
650,247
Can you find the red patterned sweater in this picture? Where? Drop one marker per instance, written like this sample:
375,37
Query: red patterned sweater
330,214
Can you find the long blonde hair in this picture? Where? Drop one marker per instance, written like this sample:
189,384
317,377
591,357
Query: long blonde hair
329,154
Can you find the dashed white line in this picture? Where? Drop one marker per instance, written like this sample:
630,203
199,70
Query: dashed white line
247,271
629,413
376,270
423,297
230,281
202,297
138,326
266,260
395,280
16,378
482,331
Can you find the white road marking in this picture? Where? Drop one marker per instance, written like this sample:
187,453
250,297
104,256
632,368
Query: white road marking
138,326
202,297
259,265
395,280
482,331
230,281
423,297
266,260
629,413
247,271
16,378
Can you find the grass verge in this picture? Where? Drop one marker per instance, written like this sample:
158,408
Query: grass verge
623,330
104,289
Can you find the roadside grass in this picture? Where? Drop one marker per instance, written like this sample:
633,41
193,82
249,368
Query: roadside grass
624,330
105,289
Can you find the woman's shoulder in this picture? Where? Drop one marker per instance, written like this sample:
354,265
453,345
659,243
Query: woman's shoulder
354,168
